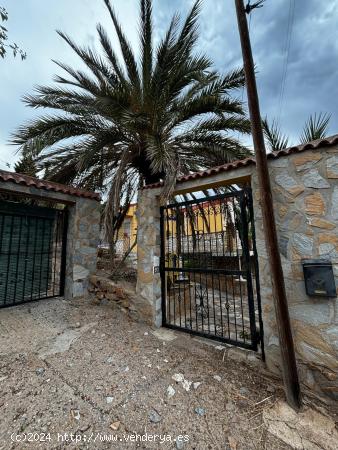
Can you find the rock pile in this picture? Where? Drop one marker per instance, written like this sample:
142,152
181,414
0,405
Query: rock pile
106,289
122,293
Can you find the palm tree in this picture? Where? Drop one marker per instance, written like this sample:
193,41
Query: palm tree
273,135
26,165
123,124
316,127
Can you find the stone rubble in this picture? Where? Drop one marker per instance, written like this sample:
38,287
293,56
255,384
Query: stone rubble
154,417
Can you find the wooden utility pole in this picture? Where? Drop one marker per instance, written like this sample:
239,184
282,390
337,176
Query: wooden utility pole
289,367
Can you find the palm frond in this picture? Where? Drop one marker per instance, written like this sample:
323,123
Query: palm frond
316,127
110,54
82,80
51,129
273,135
126,50
146,27
93,61
189,33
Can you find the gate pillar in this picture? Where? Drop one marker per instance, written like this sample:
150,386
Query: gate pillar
82,241
148,286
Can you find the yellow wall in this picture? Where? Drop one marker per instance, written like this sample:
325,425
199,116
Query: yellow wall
215,222
128,229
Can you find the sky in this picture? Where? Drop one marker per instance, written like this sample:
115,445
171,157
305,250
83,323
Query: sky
294,43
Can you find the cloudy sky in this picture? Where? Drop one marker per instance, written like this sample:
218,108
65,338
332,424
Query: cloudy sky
307,27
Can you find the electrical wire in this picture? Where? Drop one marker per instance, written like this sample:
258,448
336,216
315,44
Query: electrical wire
286,51
5,162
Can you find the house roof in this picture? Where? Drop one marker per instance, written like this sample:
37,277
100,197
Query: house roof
327,142
26,180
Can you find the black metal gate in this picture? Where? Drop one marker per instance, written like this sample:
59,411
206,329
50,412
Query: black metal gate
32,253
209,269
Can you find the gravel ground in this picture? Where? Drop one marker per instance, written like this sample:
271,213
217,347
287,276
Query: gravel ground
85,372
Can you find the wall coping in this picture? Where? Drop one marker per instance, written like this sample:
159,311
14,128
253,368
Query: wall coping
21,179
235,165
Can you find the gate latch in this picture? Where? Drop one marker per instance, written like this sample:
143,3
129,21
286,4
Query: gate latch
156,264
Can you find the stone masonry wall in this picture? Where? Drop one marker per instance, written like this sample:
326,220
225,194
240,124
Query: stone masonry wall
82,237
305,194
148,256
82,242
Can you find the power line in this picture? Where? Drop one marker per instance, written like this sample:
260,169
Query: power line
7,164
257,4
286,51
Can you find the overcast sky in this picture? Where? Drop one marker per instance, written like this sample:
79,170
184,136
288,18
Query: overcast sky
311,83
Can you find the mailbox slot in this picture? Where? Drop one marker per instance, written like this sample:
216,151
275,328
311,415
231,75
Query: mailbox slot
319,278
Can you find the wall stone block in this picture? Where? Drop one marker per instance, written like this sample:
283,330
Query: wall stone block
315,204
311,313
289,184
332,167
321,223
306,160
294,221
311,336
312,179
313,354
327,250
302,244
334,203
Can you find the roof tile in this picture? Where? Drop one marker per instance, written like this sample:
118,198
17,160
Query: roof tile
327,142
26,180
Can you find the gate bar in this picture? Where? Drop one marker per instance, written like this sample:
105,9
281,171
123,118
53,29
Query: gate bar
168,214
64,216
258,287
251,303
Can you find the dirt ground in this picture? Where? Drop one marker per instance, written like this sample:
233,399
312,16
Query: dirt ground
79,375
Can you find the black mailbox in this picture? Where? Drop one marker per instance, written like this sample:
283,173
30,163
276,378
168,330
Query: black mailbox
318,277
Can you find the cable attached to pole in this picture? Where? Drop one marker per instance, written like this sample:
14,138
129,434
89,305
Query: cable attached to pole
249,7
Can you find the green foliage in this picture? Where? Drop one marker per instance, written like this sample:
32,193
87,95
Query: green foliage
4,38
26,165
315,127
273,135
120,124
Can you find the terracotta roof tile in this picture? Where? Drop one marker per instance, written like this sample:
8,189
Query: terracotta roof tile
19,178
327,142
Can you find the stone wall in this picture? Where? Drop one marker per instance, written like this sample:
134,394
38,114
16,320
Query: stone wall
82,241
82,237
148,256
305,194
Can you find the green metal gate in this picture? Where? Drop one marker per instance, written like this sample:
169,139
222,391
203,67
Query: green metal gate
32,252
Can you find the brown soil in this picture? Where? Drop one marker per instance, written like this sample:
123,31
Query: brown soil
77,367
